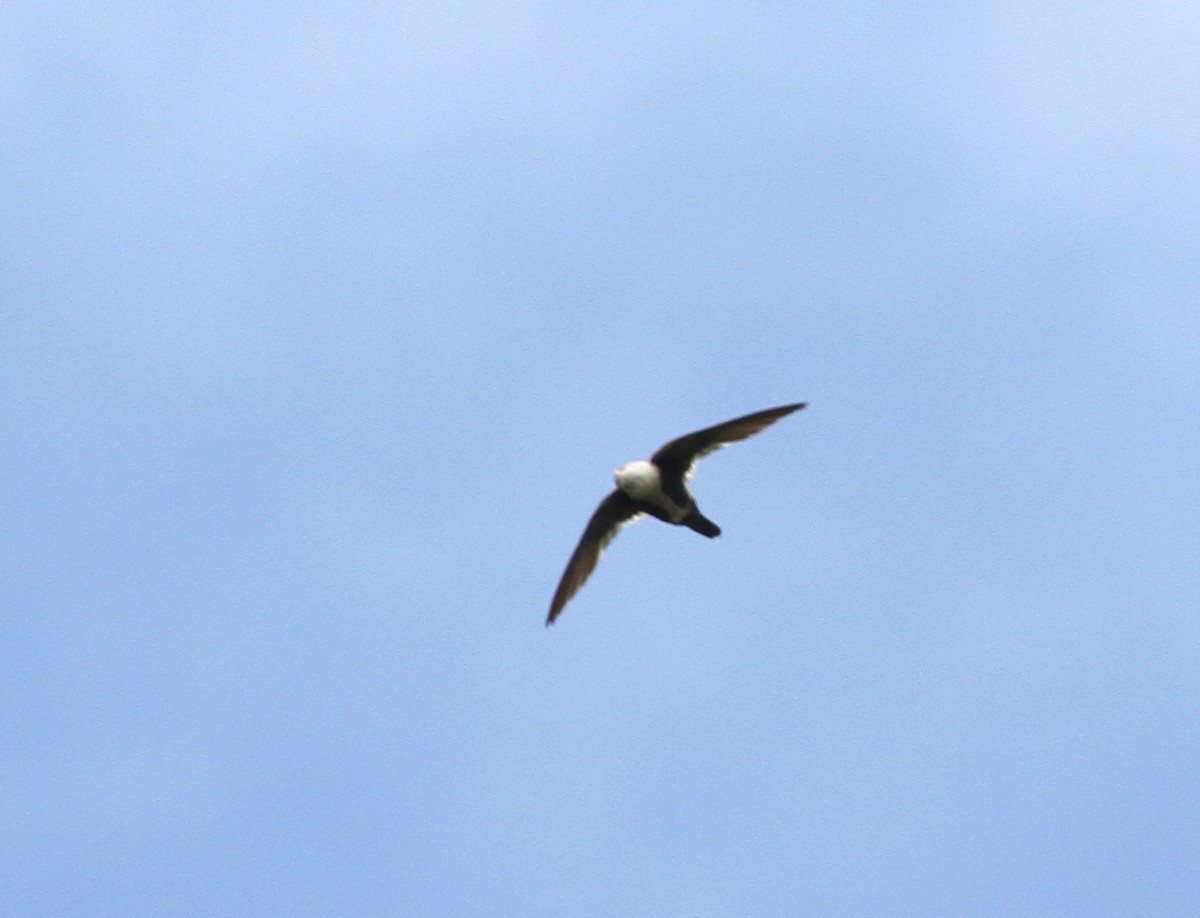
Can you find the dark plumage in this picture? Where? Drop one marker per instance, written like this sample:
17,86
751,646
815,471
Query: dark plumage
658,488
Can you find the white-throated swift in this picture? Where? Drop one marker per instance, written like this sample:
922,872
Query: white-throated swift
657,487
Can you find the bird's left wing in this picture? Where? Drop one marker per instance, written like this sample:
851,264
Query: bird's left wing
677,457
614,512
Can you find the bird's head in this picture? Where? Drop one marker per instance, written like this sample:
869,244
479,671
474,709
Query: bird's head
637,479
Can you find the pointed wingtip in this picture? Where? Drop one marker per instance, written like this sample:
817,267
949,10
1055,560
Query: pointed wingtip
784,410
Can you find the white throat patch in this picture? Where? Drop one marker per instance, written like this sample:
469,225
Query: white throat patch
639,479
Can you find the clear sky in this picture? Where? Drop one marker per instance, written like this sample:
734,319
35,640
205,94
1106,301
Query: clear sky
323,326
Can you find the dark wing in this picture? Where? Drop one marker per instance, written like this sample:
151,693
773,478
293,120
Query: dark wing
614,511
676,458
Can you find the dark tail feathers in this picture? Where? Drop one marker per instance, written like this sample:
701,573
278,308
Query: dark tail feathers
701,524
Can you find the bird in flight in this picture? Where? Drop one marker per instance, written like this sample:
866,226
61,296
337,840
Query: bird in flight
657,487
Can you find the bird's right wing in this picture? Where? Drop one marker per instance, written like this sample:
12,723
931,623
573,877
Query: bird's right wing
614,512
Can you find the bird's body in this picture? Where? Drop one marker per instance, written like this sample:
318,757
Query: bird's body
657,487
643,481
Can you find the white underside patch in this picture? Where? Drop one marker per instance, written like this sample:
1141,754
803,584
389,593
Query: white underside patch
641,481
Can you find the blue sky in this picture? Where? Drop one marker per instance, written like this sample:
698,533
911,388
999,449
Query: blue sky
324,326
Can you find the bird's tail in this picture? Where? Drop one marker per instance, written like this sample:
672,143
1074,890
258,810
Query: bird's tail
702,524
